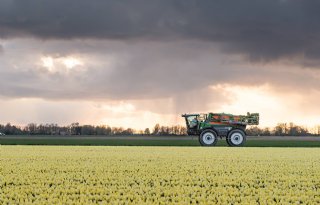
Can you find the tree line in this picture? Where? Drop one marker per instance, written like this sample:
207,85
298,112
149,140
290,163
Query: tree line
77,129
282,129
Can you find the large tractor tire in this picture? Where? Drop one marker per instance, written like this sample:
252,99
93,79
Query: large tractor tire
236,138
208,138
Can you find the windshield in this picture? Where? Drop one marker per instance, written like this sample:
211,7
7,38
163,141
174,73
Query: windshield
192,121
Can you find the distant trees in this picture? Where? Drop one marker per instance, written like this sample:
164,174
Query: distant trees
87,130
147,131
103,130
156,129
169,130
282,129
9,129
318,129
75,128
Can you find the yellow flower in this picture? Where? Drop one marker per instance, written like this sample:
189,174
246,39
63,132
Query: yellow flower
158,175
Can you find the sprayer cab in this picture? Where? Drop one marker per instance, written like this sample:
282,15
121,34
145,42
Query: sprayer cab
210,126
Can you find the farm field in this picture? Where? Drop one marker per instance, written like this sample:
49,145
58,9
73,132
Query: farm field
158,175
264,141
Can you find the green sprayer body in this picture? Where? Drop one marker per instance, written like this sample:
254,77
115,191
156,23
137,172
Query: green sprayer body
220,124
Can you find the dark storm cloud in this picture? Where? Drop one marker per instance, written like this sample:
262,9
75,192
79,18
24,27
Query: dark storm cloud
262,30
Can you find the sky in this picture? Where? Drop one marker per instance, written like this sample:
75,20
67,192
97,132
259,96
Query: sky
135,63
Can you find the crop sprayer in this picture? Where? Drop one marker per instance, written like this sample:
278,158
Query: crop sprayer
209,127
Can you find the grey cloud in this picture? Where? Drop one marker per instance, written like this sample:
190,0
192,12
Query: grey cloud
262,30
138,70
170,77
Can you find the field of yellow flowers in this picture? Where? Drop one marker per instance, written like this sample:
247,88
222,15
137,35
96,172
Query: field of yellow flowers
158,175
